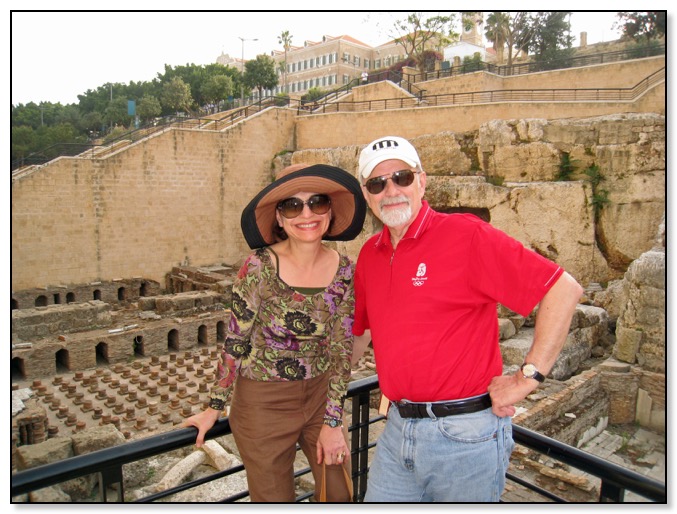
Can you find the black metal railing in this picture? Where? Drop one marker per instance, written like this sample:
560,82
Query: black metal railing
536,67
501,95
107,463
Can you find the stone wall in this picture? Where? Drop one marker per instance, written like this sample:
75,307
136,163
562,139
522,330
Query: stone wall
508,168
622,74
55,320
350,128
149,334
570,412
112,292
174,198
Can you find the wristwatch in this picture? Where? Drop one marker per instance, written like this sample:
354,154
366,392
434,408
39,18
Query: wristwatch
333,422
530,371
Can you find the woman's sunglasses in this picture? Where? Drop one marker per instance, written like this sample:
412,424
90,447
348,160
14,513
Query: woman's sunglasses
292,207
402,178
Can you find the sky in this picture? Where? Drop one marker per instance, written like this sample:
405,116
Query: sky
57,55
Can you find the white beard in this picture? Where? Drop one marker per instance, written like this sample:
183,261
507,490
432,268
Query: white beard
395,217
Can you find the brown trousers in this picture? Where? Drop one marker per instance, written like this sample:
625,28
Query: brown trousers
267,420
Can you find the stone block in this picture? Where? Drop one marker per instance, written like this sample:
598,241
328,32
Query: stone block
51,494
51,450
96,438
506,329
644,404
627,344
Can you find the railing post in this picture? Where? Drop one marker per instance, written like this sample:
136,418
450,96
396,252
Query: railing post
610,493
109,477
359,446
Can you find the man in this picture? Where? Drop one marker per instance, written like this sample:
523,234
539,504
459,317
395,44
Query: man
426,290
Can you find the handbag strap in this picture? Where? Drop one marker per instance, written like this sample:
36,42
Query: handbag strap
323,485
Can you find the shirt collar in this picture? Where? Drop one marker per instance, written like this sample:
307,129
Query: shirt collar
415,229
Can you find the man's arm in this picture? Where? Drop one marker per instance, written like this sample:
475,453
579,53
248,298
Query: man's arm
550,333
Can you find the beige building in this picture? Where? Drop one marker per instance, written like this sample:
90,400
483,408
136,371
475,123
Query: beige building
336,60
330,63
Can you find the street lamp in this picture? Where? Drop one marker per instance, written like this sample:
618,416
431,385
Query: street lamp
242,83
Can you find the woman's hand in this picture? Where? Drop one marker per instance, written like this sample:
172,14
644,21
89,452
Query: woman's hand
331,445
203,422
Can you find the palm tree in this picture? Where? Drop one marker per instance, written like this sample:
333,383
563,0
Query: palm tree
497,32
511,30
285,40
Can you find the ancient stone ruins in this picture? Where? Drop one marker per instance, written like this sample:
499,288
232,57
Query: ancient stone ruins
124,345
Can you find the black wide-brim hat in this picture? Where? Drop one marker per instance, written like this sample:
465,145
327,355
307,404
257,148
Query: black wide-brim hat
348,206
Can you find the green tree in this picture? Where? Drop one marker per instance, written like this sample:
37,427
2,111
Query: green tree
419,30
23,141
149,107
92,122
285,40
313,94
640,25
496,31
217,88
176,95
511,31
116,113
192,75
551,39
29,115
260,73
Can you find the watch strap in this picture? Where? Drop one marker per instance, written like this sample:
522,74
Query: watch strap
535,374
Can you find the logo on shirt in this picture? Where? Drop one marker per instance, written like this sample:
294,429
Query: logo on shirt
420,277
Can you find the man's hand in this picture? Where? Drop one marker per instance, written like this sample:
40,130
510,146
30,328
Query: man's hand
507,390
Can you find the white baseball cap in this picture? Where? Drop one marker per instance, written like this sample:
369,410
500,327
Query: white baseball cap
385,148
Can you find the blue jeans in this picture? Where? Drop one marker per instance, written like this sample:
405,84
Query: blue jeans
452,459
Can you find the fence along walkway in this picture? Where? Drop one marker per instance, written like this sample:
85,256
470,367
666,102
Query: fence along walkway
502,95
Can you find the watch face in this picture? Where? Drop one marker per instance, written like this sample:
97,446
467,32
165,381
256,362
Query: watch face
529,370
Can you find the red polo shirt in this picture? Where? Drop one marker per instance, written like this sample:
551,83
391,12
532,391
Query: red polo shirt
431,304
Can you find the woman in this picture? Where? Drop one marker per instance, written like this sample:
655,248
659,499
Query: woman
287,355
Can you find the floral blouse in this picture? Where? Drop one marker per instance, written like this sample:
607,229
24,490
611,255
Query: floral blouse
277,333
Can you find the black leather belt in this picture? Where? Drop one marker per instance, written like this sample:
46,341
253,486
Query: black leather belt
440,410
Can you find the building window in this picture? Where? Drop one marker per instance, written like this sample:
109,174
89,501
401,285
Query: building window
377,64
366,64
356,60
324,60
346,57
346,79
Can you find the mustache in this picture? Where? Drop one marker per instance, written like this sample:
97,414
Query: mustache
393,200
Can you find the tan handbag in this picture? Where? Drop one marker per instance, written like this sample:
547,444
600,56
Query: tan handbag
323,486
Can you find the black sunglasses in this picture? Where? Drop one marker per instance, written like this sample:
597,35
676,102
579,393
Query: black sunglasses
292,207
402,178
